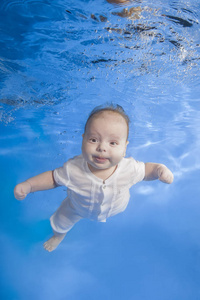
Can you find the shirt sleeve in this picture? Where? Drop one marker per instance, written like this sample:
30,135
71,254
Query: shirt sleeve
61,175
137,171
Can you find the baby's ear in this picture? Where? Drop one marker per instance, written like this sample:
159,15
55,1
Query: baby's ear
127,142
83,135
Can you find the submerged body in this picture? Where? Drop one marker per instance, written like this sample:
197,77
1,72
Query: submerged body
90,196
99,180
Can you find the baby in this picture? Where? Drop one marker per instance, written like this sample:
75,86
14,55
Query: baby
99,179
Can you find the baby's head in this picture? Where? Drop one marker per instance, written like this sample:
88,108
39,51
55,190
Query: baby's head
105,137
109,110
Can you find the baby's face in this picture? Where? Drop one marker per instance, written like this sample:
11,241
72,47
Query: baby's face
105,140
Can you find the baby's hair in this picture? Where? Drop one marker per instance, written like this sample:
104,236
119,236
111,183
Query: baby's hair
112,108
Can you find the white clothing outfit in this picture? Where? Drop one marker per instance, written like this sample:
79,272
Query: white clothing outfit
89,196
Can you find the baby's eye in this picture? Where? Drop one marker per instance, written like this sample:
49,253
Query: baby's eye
113,143
93,140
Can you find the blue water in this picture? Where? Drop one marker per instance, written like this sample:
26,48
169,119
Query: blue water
57,63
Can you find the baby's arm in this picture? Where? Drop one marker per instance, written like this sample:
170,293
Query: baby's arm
158,171
43,181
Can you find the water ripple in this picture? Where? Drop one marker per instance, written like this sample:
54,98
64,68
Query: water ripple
47,47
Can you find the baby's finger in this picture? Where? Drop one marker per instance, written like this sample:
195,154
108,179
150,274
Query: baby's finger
21,197
167,176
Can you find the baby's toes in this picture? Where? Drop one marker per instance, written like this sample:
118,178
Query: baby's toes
47,247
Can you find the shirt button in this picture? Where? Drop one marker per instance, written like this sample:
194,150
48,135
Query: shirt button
104,186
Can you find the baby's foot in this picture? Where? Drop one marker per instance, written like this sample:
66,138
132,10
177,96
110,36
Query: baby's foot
53,242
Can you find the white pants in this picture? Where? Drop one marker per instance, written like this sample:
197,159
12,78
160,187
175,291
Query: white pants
65,217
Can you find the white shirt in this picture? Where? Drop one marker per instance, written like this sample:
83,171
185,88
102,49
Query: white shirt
94,198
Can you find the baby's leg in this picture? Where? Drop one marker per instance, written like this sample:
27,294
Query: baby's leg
54,241
61,222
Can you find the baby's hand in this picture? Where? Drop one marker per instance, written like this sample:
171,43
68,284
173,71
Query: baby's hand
22,190
164,174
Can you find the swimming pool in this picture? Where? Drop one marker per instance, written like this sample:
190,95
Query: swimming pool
59,59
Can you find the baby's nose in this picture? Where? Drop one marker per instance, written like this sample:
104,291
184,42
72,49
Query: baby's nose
101,147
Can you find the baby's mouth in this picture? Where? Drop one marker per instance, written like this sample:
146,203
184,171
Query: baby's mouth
100,159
